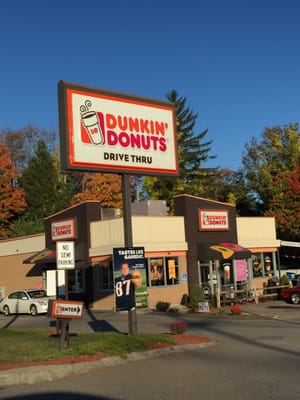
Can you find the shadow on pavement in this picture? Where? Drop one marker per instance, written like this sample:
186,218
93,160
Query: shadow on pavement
100,325
58,396
10,322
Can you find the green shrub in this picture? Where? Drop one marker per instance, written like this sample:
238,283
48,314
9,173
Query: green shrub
162,305
221,311
284,280
196,297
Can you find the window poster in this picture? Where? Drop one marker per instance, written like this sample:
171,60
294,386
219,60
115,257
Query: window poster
130,279
240,270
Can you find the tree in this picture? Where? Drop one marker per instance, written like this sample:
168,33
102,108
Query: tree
285,204
23,142
12,201
24,226
278,152
46,191
231,187
105,188
193,151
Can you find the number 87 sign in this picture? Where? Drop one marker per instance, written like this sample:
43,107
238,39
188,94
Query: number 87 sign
129,269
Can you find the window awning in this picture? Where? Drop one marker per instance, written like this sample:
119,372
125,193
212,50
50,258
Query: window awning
45,256
222,250
289,244
48,256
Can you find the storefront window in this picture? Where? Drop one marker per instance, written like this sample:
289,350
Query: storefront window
76,281
262,264
227,278
257,265
105,274
163,271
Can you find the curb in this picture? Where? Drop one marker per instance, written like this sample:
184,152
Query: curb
38,374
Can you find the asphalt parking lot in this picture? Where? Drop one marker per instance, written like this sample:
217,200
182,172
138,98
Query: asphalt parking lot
205,324
148,320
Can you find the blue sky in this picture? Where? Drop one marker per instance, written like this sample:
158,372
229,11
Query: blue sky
235,61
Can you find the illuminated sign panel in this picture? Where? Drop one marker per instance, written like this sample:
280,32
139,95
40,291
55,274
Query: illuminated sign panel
113,132
213,220
64,229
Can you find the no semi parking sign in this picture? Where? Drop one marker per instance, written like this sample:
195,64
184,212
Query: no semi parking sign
65,255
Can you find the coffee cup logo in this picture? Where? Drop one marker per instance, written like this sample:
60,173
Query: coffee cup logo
91,123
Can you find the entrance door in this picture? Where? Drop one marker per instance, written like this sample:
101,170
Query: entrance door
207,277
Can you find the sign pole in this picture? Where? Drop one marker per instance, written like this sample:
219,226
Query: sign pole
132,317
65,259
91,116
127,210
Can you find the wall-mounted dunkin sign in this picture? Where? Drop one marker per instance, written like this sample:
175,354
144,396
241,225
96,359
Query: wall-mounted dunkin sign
116,132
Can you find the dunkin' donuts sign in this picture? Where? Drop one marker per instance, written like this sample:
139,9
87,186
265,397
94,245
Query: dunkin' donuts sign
108,131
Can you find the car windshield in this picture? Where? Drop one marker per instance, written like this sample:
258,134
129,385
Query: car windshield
36,294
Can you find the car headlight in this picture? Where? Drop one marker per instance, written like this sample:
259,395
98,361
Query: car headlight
42,302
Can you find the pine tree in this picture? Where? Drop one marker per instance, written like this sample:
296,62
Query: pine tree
45,189
193,152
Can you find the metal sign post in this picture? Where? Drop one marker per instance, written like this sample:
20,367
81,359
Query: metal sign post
64,311
132,317
92,138
65,260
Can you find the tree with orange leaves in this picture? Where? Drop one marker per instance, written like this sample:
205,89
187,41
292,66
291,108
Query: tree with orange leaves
12,199
105,188
285,204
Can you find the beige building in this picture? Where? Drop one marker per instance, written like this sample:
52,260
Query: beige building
32,259
258,234
163,239
176,242
14,275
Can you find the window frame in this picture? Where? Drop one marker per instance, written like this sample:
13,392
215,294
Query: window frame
158,268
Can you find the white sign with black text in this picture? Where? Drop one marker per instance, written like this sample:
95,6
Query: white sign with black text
65,255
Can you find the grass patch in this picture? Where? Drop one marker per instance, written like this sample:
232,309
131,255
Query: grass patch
18,346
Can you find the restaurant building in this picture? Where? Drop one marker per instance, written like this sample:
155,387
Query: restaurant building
203,243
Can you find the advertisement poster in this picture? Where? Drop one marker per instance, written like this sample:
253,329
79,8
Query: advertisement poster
241,270
130,278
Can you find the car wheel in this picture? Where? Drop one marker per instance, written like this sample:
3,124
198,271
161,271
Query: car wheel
6,311
295,298
33,310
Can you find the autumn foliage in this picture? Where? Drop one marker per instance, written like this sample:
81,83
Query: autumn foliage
106,188
285,204
12,200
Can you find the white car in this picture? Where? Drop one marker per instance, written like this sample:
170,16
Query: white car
32,301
